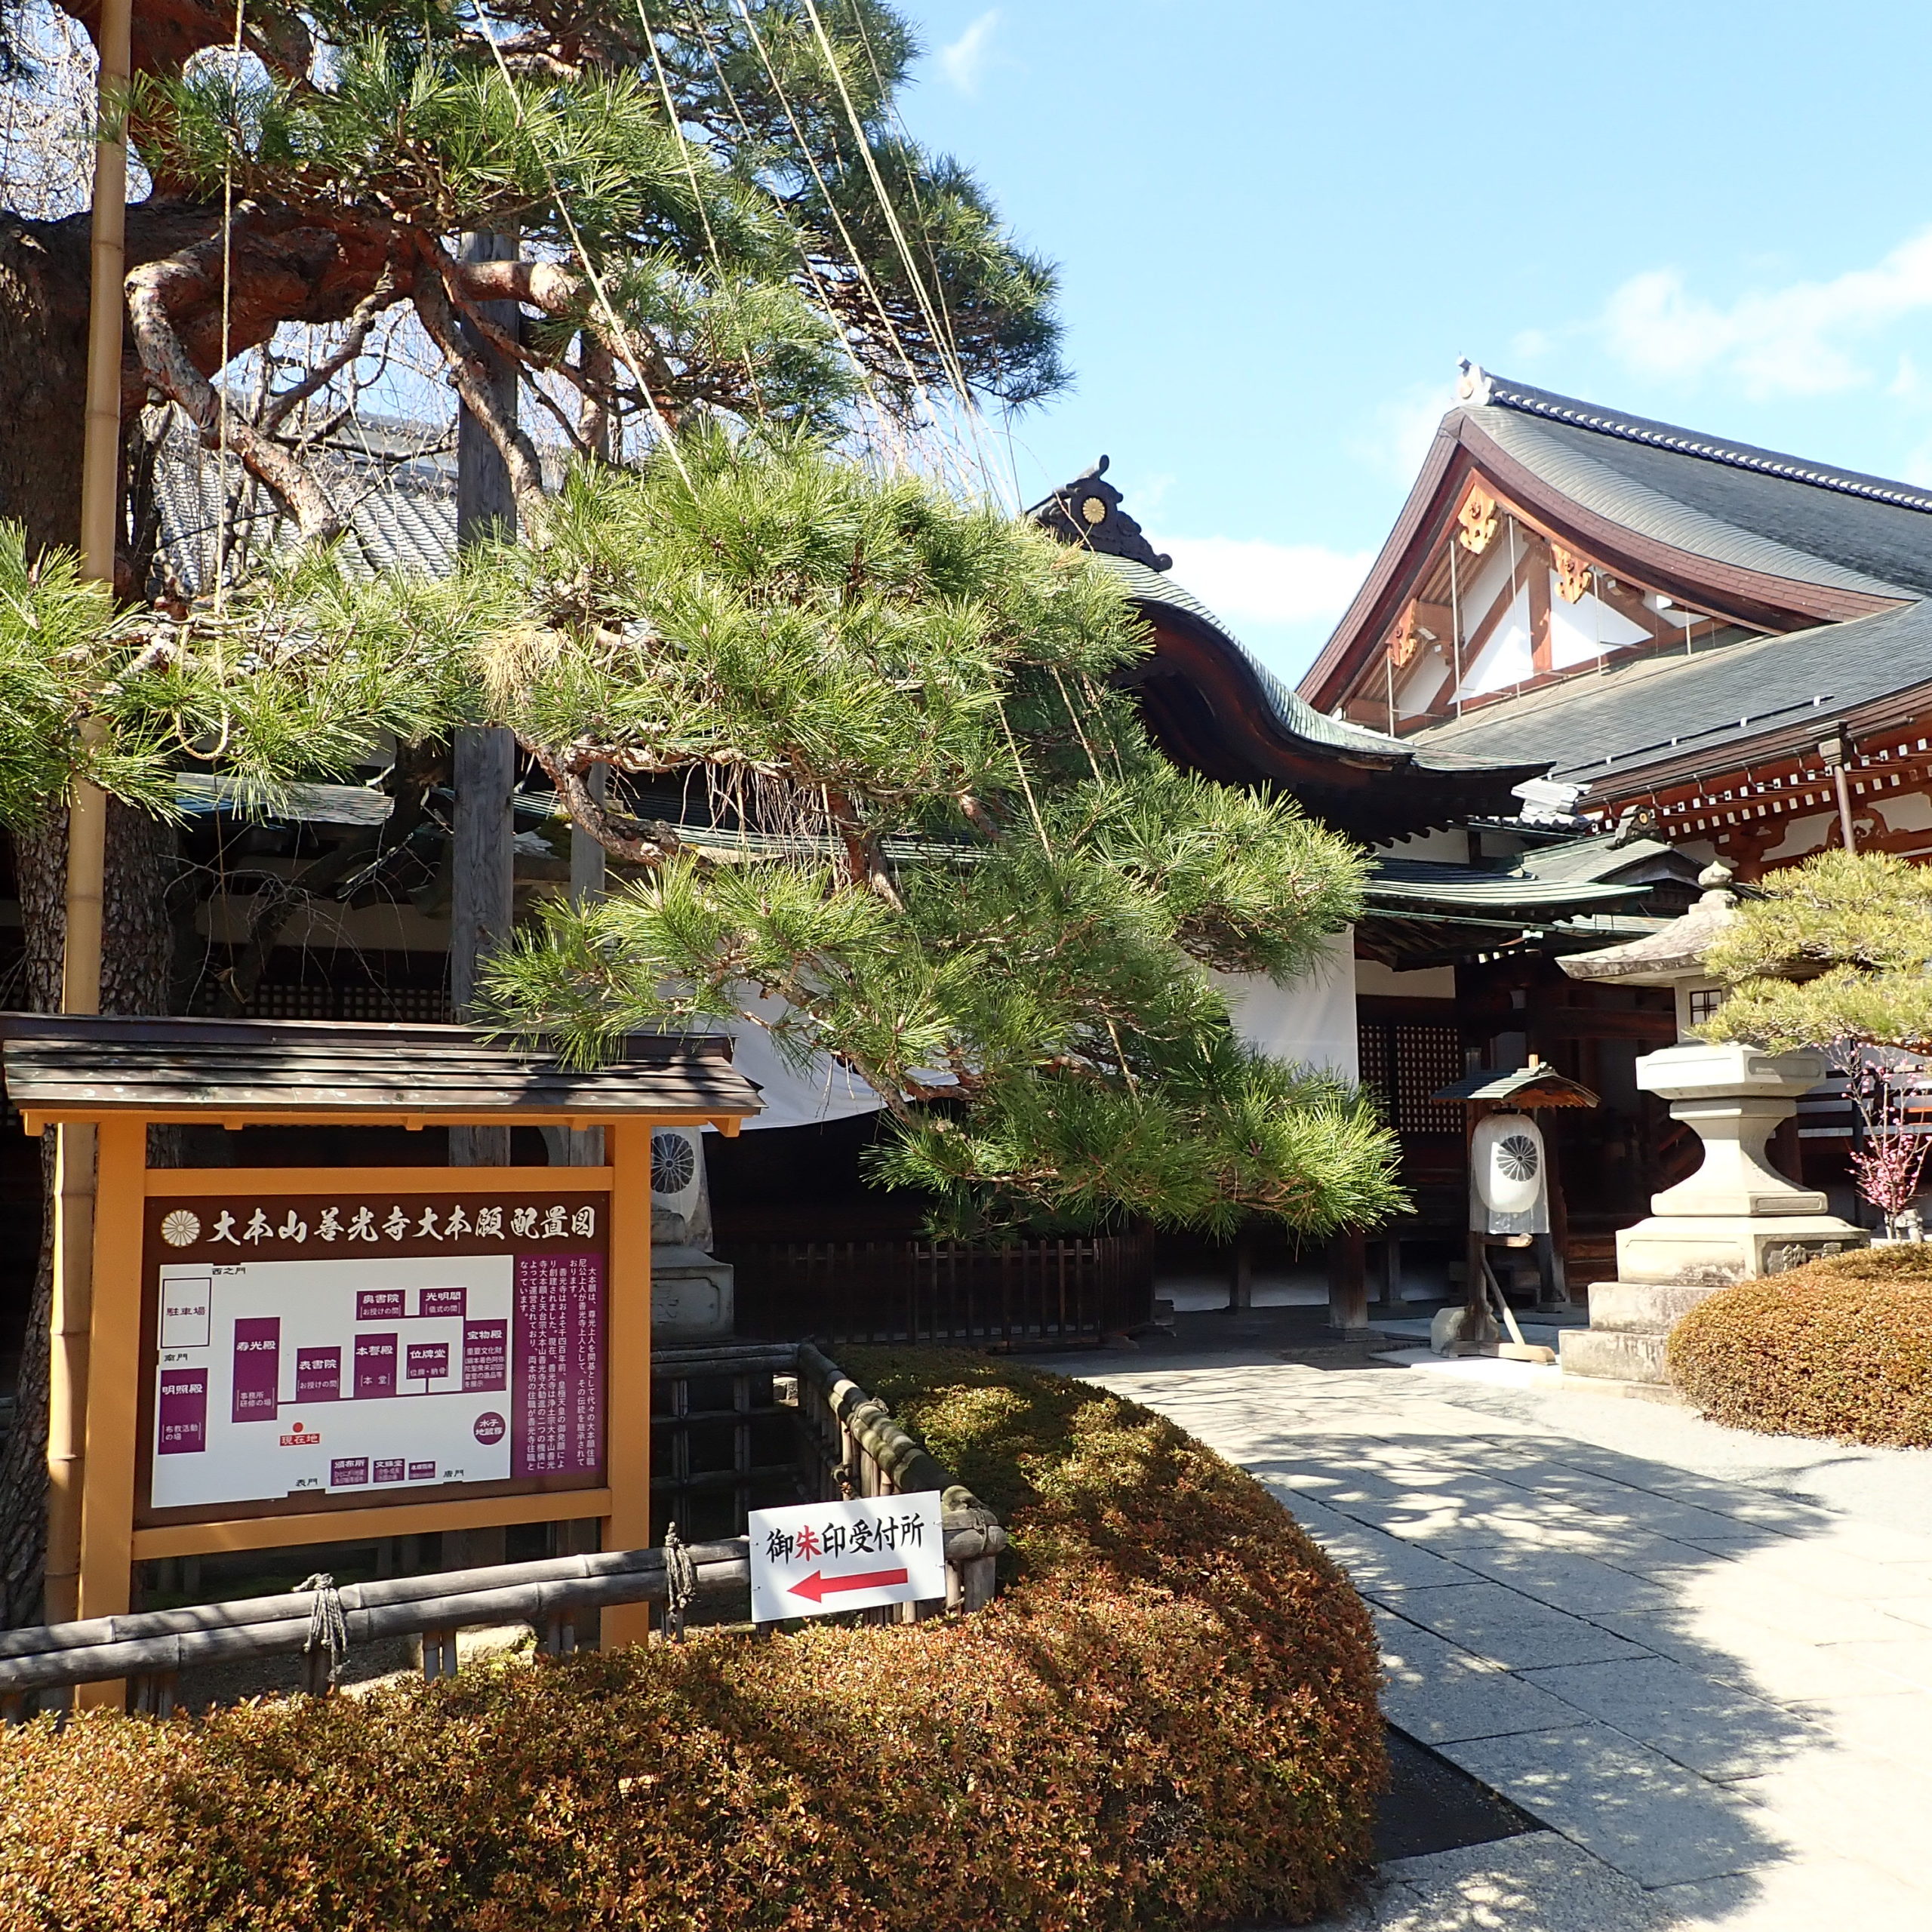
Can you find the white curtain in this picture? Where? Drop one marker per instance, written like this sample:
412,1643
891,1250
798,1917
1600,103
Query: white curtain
1310,1020
794,1096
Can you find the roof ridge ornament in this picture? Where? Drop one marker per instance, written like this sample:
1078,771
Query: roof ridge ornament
1086,513
1474,385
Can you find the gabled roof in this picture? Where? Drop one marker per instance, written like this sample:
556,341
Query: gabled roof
1772,542
1731,501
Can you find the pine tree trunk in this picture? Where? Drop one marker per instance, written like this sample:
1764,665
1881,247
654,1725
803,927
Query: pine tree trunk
137,943
43,376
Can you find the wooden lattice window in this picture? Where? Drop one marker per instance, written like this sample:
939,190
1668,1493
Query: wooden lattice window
1404,1062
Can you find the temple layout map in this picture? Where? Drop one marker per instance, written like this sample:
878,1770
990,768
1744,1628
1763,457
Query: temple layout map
359,1362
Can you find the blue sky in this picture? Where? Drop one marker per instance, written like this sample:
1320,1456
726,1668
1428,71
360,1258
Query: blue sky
1279,224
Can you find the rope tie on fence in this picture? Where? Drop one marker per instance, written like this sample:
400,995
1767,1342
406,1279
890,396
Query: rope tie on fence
680,1582
328,1628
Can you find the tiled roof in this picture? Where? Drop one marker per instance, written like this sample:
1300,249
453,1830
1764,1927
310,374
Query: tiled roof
1649,710
399,490
1731,501
1397,884
58,1064
1293,715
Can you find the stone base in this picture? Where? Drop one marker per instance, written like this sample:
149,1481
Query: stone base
1613,1354
1662,1393
1461,1331
1700,1250
692,1297
1621,1352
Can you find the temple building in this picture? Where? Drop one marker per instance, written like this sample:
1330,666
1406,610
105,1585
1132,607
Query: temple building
1712,652
1729,649
1596,654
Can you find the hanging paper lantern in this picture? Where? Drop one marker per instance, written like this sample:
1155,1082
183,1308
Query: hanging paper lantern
1509,1171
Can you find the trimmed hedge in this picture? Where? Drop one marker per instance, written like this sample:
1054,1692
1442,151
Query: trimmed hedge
1840,1348
1168,1719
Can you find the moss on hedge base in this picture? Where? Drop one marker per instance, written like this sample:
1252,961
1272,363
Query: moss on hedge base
1167,1719
1842,1349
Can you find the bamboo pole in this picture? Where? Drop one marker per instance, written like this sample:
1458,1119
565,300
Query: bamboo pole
113,1448
627,1363
87,833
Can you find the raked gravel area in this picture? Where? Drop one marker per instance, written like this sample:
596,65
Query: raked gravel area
1702,1659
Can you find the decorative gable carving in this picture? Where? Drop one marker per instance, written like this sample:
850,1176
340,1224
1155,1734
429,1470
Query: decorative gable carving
1572,573
1478,519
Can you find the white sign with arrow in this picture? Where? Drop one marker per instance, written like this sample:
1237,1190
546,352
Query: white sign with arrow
818,1557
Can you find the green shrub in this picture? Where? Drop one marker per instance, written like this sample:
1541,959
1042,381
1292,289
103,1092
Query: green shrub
1168,1718
1840,1348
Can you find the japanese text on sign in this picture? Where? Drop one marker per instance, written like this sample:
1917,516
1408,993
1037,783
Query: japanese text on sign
815,1558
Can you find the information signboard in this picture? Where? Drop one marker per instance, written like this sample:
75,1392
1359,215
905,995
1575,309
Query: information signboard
321,1350
813,1558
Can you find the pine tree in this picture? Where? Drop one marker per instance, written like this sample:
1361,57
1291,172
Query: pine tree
1830,954
929,823
716,208
698,200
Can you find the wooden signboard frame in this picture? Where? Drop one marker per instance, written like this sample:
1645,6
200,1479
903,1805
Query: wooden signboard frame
119,1350
121,1075
203,1529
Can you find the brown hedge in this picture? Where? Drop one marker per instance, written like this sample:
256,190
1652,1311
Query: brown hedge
1840,1348
1167,1719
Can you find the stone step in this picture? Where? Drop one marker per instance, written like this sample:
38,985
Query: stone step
1641,1308
1617,1355
1635,1391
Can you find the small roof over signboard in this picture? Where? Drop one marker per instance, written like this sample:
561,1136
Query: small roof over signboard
256,1072
1528,1087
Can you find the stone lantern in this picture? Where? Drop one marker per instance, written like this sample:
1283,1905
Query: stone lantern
1735,1217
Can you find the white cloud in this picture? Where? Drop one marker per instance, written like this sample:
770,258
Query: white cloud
1803,339
1249,580
1397,436
965,60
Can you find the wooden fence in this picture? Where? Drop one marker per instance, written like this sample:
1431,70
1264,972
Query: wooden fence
1018,1294
846,1443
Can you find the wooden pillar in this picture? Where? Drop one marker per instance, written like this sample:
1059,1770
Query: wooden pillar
70,1324
1391,1271
583,1146
484,501
1348,1280
483,893
627,1409
1241,1273
1553,1249
482,898
114,1388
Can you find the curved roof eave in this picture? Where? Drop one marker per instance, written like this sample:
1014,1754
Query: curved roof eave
1290,719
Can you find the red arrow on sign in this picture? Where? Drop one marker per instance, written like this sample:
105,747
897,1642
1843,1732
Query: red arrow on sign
817,1587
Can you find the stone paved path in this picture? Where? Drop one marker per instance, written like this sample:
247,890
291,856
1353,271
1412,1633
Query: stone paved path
1714,1690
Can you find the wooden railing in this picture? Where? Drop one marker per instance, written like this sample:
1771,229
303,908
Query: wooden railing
556,1597
1037,1294
849,1444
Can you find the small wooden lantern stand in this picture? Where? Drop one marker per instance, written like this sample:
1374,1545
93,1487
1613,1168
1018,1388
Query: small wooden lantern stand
1529,1089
